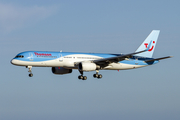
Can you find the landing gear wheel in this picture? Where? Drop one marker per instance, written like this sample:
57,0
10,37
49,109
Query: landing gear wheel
30,75
30,72
95,75
99,76
80,77
84,78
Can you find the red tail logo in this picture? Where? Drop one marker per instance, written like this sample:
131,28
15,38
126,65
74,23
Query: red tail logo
146,45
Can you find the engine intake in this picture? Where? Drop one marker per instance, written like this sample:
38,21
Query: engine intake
61,70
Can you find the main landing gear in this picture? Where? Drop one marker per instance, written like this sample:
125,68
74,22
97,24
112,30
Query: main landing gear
97,75
81,76
30,72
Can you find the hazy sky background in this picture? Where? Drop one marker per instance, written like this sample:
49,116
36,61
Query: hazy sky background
103,26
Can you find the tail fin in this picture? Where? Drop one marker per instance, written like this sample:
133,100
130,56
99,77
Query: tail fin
149,43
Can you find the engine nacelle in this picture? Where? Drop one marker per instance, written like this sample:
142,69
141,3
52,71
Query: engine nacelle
61,70
83,66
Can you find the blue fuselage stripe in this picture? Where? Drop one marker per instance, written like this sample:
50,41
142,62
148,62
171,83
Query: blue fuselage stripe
41,56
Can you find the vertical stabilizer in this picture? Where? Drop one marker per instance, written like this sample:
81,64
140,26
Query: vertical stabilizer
150,43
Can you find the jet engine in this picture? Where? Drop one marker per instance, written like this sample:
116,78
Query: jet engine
83,66
61,70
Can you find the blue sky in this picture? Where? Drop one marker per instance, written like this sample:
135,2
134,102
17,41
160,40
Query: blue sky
89,26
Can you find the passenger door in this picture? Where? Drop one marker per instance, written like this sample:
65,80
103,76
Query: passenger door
31,56
60,57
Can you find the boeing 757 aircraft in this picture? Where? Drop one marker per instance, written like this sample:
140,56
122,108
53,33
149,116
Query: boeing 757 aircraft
64,62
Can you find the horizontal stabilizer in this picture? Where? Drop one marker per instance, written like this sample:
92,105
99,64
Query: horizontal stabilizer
158,59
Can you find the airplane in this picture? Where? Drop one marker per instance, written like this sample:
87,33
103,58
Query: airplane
63,62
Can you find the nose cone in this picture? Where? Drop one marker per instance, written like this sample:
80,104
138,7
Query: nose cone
12,61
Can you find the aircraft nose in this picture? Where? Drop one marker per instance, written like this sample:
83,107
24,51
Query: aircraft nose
12,61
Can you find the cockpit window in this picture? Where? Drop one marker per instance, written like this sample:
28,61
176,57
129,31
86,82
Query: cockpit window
19,56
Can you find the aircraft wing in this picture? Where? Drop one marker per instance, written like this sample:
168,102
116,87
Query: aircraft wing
158,59
106,61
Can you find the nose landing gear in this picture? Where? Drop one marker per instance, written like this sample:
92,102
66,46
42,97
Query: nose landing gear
30,75
30,72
